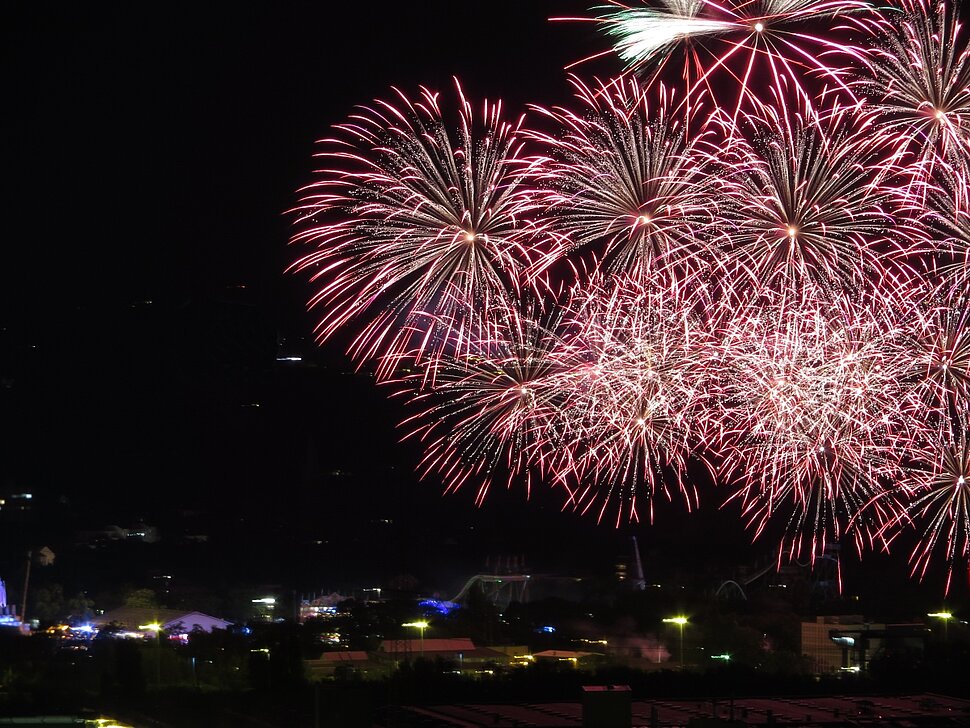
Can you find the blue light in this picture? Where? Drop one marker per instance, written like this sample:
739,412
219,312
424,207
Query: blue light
438,605
547,629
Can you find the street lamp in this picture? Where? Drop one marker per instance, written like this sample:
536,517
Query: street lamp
946,617
157,629
680,622
422,625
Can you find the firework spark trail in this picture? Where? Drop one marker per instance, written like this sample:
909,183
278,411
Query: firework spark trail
811,416
624,179
743,42
643,34
416,228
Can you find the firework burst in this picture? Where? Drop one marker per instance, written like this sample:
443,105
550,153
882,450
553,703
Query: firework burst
625,179
918,83
811,422
941,361
941,248
807,202
633,390
749,264
938,489
491,411
416,228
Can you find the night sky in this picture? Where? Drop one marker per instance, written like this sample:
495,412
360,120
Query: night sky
151,150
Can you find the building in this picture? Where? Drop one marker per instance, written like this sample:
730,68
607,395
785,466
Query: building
173,621
576,658
8,615
461,651
848,642
331,663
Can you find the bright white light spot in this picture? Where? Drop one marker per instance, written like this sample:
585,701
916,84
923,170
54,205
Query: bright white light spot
470,237
939,114
792,231
758,27
644,219
641,421
642,35
961,480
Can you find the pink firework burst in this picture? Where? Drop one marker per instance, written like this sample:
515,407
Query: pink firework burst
491,411
942,249
625,179
632,394
918,84
942,354
807,204
939,508
416,227
812,424
759,278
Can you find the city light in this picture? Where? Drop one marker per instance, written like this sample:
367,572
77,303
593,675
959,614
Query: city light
680,622
945,617
421,625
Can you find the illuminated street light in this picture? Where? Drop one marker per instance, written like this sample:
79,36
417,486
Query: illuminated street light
157,629
680,622
946,617
422,625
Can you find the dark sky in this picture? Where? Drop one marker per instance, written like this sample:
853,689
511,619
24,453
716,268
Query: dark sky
150,150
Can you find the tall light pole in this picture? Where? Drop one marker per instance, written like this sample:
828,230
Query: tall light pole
946,617
680,622
156,628
422,625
